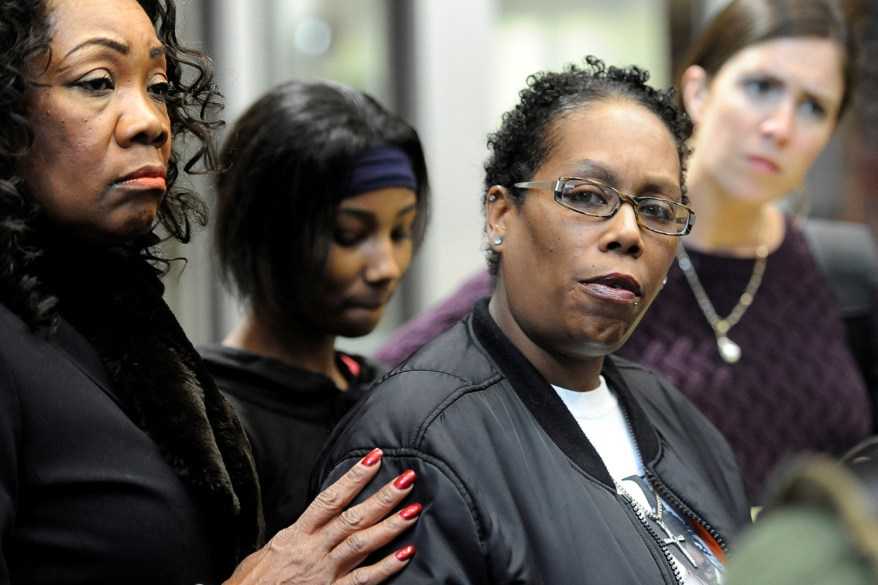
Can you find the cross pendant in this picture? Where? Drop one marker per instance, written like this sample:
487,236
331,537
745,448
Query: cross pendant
676,540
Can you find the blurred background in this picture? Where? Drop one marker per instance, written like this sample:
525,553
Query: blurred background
451,68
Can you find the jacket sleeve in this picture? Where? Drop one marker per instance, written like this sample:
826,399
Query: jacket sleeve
9,439
446,537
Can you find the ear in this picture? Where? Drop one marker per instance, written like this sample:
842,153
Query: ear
498,206
695,88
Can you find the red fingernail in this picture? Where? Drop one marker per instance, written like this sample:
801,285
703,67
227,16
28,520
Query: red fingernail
406,553
410,512
373,457
405,480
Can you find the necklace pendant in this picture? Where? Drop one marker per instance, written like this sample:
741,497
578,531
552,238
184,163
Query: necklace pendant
728,349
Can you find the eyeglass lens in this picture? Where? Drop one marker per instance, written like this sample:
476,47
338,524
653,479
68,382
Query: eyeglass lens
654,213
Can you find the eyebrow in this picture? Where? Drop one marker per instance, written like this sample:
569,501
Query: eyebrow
589,169
594,170
364,214
120,48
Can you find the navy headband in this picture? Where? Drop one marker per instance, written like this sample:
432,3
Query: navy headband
381,167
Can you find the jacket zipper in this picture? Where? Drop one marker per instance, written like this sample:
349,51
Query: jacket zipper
683,508
662,546
669,496
642,517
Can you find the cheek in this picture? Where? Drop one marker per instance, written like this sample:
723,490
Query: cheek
342,266
665,253
404,255
813,144
166,151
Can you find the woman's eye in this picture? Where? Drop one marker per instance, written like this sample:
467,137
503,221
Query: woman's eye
813,108
760,86
586,196
347,239
102,84
656,209
401,233
161,90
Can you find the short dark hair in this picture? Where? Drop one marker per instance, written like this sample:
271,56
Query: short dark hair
289,159
524,140
746,22
193,106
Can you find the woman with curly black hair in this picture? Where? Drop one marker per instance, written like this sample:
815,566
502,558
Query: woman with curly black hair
769,321
120,461
541,457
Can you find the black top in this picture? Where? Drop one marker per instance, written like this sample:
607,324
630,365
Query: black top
120,460
85,494
287,413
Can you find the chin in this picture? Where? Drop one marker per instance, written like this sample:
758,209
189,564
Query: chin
357,329
109,238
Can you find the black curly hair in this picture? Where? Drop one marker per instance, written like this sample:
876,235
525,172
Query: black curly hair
524,140
193,108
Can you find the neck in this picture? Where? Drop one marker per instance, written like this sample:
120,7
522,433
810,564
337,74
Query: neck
573,372
729,225
269,336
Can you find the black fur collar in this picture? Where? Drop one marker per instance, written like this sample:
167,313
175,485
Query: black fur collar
115,302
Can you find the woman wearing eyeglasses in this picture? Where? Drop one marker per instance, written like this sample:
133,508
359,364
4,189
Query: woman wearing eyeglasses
746,327
540,457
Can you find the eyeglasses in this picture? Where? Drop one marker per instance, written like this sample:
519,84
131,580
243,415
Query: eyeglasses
593,198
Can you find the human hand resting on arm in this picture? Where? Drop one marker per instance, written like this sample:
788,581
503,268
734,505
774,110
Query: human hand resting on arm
327,543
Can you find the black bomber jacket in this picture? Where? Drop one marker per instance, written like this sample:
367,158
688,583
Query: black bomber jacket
513,492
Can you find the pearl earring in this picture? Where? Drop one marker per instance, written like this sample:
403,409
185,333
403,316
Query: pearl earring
498,240
664,281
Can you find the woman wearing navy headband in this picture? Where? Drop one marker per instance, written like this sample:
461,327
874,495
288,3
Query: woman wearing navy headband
321,208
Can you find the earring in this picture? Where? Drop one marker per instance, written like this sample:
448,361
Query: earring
498,240
492,198
665,281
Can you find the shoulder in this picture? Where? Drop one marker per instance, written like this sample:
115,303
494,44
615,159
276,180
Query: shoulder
409,401
11,323
643,381
665,404
18,342
452,364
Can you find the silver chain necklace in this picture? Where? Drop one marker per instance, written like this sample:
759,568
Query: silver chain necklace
729,351
670,539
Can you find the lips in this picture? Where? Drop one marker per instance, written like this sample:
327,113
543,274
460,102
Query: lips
150,177
367,303
763,164
619,288
619,281
366,306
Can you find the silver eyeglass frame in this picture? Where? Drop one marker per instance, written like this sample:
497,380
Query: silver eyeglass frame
557,189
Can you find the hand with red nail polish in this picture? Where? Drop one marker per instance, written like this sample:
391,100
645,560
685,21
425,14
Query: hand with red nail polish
318,548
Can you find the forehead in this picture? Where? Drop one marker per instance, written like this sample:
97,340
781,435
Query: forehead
73,21
618,134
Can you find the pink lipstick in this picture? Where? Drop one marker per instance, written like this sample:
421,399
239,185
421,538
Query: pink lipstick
148,178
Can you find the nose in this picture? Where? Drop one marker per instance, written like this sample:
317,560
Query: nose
623,233
143,120
386,261
779,123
